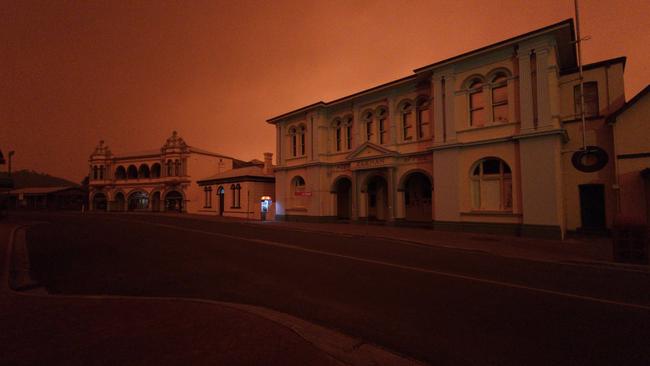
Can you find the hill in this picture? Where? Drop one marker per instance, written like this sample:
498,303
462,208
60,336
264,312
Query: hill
29,178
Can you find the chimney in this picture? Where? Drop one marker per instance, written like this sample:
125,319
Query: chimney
268,163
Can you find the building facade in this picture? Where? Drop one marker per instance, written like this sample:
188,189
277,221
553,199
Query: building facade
245,192
157,180
490,140
631,129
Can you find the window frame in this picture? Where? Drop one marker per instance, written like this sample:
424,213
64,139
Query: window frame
497,84
472,90
423,105
504,177
406,113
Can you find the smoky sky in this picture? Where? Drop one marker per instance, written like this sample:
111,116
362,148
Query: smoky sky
131,72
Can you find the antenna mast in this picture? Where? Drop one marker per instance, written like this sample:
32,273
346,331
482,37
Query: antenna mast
582,87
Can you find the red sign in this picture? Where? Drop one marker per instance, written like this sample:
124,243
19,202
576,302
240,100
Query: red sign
305,194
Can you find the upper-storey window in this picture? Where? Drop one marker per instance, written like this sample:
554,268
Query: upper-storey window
95,172
338,134
407,120
348,132
301,133
500,98
383,125
591,99
476,103
369,125
101,172
491,185
120,172
170,168
423,118
177,170
293,139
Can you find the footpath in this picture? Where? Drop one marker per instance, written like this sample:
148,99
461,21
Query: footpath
37,328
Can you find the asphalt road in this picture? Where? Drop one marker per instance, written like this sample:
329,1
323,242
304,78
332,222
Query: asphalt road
441,306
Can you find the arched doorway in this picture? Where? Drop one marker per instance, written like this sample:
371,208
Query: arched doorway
99,202
222,197
138,201
119,203
155,202
174,201
417,197
343,189
377,190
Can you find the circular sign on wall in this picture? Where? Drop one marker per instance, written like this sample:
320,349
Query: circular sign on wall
591,160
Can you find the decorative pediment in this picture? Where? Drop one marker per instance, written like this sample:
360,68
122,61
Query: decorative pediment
175,142
101,149
369,150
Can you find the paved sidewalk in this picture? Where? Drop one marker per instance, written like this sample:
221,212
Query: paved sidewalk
39,329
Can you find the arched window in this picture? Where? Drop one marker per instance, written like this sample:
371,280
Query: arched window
348,132
406,112
500,98
338,134
423,118
143,171
155,171
232,190
383,125
491,181
120,172
292,137
95,170
476,103
170,168
101,172
301,132
132,172
368,122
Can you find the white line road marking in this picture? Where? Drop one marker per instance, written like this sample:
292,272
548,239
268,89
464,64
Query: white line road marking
399,266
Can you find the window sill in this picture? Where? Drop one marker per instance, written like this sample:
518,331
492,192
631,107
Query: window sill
487,125
490,213
296,157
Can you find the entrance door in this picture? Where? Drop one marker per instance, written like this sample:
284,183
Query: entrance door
221,194
592,206
343,201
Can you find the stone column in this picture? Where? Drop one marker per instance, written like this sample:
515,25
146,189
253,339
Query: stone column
391,194
543,100
354,193
438,118
450,121
525,90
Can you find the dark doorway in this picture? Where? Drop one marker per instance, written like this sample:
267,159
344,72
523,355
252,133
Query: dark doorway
138,201
119,202
174,201
417,197
99,202
222,193
377,198
343,198
592,206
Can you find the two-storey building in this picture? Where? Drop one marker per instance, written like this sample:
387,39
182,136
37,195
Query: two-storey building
490,140
157,180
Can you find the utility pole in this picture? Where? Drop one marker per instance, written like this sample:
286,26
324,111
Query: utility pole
582,86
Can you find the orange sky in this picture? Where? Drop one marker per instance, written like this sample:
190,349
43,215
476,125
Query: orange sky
131,72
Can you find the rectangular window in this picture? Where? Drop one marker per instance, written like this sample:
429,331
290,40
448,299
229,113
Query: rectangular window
302,143
477,111
368,130
293,145
348,136
500,103
338,139
406,123
591,99
423,122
